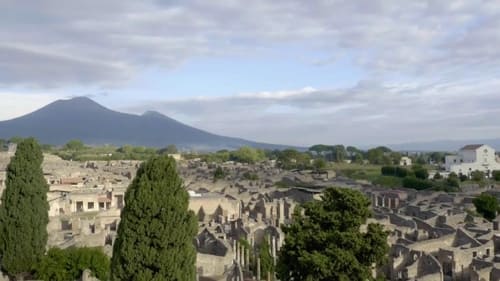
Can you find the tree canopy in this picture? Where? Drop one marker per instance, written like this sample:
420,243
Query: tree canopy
325,242
24,211
155,234
74,145
486,205
69,264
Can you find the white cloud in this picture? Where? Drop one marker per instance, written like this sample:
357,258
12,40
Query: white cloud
365,114
13,105
103,43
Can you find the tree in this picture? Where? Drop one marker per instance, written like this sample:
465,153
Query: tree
24,211
339,153
155,235
74,145
496,175
293,159
170,149
219,174
379,156
319,164
486,205
324,242
420,172
247,154
266,260
477,176
69,264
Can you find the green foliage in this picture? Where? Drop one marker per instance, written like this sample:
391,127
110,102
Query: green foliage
266,259
420,172
293,159
453,181
319,164
417,183
170,149
379,156
335,153
463,177
247,154
219,174
74,145
155,235
69,264
325,243
437,176
394,171
24,211
496,175
106,153
388,181
437,157
16,139
477,176
3,145
486,205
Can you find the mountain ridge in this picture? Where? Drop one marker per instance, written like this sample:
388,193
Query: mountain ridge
84,119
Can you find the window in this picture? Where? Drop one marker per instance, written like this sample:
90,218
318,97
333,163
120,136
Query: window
90,205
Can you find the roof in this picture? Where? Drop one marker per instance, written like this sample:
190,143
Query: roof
471,147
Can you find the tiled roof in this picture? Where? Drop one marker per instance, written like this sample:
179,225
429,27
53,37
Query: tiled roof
471,147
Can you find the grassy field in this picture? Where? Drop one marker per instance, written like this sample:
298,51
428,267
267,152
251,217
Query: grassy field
357,171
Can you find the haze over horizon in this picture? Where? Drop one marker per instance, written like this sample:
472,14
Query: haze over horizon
287,72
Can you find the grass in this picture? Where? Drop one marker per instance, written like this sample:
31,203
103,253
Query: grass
357,171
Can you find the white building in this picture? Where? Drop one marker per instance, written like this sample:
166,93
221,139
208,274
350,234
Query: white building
405,161
473,157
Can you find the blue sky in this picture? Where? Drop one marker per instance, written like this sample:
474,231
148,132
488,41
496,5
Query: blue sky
286,71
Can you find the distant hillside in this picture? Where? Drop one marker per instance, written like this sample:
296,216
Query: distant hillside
82,118
444,145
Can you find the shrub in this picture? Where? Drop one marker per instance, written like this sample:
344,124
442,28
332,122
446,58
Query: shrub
417,183
496,175
219,174
421,173
69,264
477,176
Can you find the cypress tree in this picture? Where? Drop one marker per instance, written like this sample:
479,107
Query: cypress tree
155,236
24,211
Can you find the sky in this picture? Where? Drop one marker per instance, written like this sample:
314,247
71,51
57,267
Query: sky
291,72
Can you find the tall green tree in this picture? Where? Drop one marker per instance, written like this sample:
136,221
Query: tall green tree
24,211
266,260
486,205
155,235
325,242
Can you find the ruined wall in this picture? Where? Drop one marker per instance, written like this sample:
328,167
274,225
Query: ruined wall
210,265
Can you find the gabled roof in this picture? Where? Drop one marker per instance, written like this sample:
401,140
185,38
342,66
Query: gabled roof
471,147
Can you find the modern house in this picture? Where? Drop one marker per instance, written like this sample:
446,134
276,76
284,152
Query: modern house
473,157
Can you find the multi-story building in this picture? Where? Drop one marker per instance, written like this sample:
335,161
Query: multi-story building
473,157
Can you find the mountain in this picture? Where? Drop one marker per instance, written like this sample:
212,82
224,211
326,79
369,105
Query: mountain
82,118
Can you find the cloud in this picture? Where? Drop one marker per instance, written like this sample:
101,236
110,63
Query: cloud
97,43
367,113
14,104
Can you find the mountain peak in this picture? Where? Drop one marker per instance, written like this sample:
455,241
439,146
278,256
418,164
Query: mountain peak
77,103
152,113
